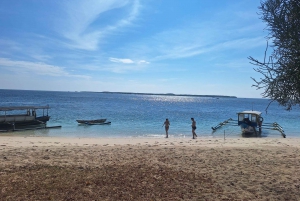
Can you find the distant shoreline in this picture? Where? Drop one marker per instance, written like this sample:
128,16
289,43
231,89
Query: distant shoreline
162,94
134,93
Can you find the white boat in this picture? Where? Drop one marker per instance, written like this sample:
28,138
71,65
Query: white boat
250,121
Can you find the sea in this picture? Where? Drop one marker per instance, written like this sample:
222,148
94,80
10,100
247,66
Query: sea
143,115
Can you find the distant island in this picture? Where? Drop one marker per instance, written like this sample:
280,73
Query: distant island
165,94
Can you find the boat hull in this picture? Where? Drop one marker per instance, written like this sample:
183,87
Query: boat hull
103,123
249,131
18,118
43,119
91,121
21,122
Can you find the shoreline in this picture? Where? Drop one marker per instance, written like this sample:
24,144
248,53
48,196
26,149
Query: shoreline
27,141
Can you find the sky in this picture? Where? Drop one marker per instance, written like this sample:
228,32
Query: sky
198,47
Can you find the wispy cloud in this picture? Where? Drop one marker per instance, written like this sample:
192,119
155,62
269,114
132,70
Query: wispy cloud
178,50
41,57
35,68
78,25
128,61
123,68
194,39
225,31
124,61
9,46
143,62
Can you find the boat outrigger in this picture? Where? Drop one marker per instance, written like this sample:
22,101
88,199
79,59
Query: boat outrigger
251,122
15,118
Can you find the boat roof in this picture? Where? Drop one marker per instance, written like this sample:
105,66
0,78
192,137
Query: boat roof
250,112
11,108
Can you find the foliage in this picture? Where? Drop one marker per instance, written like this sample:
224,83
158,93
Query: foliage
281,70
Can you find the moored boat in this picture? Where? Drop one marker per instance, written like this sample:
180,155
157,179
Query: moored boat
91,121
15,117
102,123
249,121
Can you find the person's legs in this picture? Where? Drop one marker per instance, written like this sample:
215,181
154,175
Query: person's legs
194,133
167,134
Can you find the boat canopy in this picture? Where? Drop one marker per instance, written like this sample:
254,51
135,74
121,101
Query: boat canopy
250,112
11,108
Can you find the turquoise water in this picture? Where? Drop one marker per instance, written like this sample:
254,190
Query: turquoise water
143,115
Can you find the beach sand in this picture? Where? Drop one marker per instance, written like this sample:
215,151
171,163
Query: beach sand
53,168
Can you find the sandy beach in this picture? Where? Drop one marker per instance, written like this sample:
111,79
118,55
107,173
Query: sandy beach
53,168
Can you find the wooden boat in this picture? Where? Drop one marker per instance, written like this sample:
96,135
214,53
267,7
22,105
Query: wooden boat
14,117
91,121
103,123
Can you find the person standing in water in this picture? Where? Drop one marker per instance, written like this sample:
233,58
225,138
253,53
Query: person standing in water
167,125
194,128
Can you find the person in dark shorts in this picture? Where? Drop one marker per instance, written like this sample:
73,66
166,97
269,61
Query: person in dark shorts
167,125
194,128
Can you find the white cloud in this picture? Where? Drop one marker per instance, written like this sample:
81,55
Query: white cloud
21,67
125,61
143,62
128,61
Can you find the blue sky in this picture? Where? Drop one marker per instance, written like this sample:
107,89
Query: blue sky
152,46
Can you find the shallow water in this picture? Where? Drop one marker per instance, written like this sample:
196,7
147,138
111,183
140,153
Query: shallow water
143,115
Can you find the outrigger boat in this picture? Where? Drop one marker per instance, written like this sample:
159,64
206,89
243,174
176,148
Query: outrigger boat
251,122
94,122
13,118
